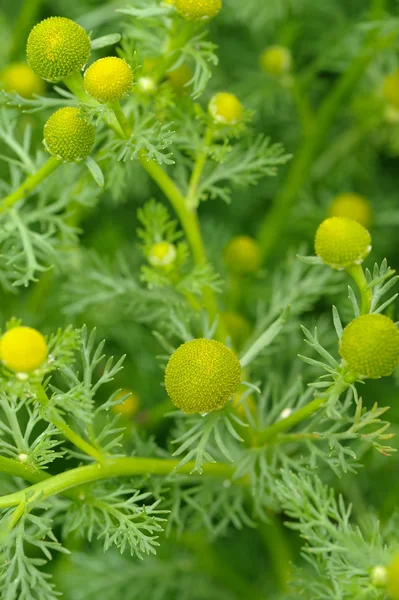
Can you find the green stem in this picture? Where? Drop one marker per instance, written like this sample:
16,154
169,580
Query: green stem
267,435
30,183
13,520
74,83
17,469
273,536
192,200
68,432
304,108
357,274
118,467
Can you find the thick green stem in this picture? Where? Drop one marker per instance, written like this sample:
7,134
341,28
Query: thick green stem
17,469
267,435
192,200
357,274
30,183
118,467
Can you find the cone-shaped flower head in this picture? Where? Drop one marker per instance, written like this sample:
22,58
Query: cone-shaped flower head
108,79
198,10
225,108
68,135
276,60
202,375
57,47
342,243
23,349
352,206
242,255
370,346
19,78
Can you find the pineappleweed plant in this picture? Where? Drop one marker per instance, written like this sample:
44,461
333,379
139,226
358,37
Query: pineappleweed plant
236,445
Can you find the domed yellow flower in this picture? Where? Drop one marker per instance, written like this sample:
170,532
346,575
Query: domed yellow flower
225,108
162,254
129,406
57,47
393,578
370,346
242,255
23,349
198,10
68,135
202,375
342,243
276,60
352,206
390,89
19,78
108,79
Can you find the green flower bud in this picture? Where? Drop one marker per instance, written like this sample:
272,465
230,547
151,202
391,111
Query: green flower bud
69,136
198,10
342,243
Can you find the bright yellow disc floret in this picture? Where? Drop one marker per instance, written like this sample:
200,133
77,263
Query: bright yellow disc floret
23,349
198,10
225,108
242,255
342,243
19,78
57,47
108,79
370,346
276,60
352,206
162,254
393,578
68,135
202,375
390,89
129,406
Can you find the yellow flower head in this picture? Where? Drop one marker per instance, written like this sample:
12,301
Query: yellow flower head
225,108
162,254
198,10
108,79
23,349
68,135
128,407
342,242
276,60
352,206
19,78
238,327
242,255
202,375
370,346
57,47
390,89
393,578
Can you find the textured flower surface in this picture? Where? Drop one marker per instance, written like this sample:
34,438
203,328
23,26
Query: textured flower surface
57,47
352,206
202,375
276,60
370,346
242,255
108,79
226,108
23,349
19,78
69,136
198,10
342,243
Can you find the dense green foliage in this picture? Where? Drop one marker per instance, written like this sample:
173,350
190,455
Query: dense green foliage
185,207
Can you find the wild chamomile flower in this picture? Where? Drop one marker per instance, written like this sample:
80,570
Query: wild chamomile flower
19,78
198,10
68,135
390,89
108,79
370,346
162,254
242,255
57,47
352,206
276,60
202,375
225,108
23,349
129,406
342,243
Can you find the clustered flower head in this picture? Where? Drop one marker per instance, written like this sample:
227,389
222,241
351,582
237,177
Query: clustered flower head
57,47
202,375
342,243
225,108
242,255
108,79
68,136
276,60
23,349
370,346
352,206
162,254
19,78
198,10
